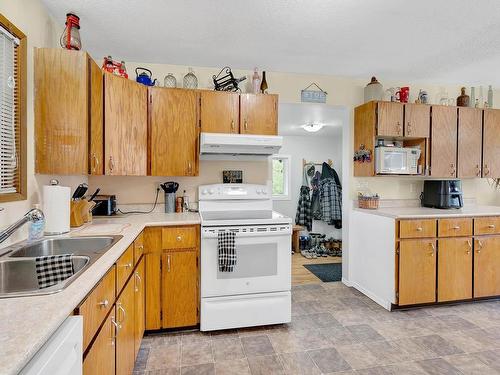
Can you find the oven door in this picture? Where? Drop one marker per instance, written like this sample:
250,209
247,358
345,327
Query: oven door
263,261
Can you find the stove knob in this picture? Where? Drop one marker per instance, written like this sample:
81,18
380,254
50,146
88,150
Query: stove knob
258,191
211,191
264,191
204,192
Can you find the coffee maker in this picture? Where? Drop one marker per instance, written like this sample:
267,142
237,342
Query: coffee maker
442,194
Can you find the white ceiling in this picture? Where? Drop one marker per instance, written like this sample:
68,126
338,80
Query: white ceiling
445,41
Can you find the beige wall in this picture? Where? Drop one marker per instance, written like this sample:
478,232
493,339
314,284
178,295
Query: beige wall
341,91
32,19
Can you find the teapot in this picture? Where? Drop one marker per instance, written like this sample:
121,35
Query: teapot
144,77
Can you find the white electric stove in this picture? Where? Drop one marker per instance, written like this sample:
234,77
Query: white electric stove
257,292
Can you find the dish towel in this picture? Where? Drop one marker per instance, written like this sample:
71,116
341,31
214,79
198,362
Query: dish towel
52,269
226,250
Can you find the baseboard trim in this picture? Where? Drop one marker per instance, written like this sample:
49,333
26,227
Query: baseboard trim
385,304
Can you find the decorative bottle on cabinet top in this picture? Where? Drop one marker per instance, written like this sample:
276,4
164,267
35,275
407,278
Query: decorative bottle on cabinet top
170,81
256,81
190,81
490,97
263,84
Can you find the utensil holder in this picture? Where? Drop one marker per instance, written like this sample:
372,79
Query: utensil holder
169,202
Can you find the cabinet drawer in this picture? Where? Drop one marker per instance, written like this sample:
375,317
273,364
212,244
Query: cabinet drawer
455,227
138,248
124,267
417,228
487,225
179,237
97,304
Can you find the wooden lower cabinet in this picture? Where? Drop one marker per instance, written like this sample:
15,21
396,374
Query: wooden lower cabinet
100,359
454,269
140,305
487,266
179,289
417,272
125,338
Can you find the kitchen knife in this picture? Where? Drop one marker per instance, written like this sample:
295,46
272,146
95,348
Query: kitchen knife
94,195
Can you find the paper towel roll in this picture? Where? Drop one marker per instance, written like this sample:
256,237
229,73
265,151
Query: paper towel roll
56,207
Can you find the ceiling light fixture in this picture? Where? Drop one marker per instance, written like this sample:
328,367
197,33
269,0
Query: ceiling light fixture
312,127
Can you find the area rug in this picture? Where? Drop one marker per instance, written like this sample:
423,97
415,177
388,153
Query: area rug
326,272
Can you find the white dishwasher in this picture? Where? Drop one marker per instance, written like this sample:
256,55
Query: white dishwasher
62,354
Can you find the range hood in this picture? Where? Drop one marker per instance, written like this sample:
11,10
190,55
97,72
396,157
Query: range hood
218,146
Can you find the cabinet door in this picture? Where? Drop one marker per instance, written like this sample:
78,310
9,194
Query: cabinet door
220,112
444,142
125,126
125,338
417,272
390,119
152,255
259,114
100,358
486,266
180,289
470,133
491,143
174,132
61,112
139,299
454,269
417,120
96,156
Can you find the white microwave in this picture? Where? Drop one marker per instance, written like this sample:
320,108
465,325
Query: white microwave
396,160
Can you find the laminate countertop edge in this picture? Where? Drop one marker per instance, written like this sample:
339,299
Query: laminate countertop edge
26,323
425,212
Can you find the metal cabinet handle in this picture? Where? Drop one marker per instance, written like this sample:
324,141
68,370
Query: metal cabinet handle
190,168
138,280
168,263
104,303
480,246
115,333
96,162
178,238
486,170
491,226
398,128
470,247
456,227
408,127
419,229
433,249
128,265
478,170
246,124
232,125
111,164
120,308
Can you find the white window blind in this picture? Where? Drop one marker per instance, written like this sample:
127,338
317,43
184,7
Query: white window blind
8,113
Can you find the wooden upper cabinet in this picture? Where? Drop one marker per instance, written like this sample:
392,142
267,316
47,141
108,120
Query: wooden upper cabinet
470,133
96,156
259,114
417,120
126,124
174,132
417,272
390,119
180,296
491,143
444,142
486,266
220,112
454,269
61,111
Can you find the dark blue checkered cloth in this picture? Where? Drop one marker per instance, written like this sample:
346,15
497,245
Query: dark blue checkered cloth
53,269
226,250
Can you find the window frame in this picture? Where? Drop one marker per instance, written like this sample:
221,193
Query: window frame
287,178
21,193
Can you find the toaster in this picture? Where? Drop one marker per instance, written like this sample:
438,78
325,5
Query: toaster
442,194
105,205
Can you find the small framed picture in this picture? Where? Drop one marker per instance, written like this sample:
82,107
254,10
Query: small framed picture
232,177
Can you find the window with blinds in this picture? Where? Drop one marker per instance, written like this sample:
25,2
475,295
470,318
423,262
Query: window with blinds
12,113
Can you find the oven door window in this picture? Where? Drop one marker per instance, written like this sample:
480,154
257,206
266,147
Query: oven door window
253,260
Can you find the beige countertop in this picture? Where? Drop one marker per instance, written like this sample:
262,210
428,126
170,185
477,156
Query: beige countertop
424,212
26,323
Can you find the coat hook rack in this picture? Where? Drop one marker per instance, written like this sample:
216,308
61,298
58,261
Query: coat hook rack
305,162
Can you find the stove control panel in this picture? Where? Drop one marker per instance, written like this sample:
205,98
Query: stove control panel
233,191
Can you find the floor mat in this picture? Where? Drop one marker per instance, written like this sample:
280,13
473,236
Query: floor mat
326,272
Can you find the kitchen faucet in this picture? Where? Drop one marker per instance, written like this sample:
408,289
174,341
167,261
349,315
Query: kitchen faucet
32,215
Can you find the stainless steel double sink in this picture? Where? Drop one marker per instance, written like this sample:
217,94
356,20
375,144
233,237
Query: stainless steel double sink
18,276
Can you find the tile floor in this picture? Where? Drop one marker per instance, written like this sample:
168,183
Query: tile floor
337,330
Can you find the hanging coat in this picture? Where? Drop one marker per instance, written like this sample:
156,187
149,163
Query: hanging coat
330,196
315,203
304,214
